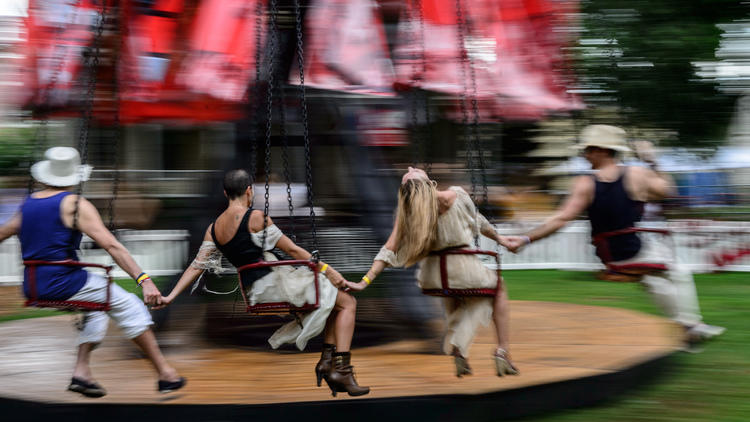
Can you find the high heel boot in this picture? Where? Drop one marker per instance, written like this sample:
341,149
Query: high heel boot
325,363
341,378
462,364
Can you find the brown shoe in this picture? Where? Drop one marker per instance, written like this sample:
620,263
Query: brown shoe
341,378
325,363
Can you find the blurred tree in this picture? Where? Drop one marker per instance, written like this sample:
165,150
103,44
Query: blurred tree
16,149
638,55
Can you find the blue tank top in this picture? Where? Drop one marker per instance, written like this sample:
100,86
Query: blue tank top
612,209
241,250
44,237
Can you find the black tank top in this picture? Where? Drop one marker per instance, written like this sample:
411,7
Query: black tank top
242,251
612,209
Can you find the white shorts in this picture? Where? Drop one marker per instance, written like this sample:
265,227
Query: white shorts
128,311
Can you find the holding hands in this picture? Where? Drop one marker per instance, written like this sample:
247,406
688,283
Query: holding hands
513,243
334,277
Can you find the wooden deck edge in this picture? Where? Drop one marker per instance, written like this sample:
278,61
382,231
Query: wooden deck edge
499,405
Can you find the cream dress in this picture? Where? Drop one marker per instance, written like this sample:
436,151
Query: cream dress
282,284
457,226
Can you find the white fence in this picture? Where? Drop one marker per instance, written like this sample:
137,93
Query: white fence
158,252
700,245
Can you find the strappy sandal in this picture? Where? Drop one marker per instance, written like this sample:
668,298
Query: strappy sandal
503,365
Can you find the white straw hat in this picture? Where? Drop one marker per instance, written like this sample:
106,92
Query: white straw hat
61,168
603,136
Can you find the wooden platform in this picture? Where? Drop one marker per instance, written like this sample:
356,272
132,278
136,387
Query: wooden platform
555,346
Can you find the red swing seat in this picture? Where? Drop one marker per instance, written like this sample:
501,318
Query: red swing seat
65,305
631,268
446,290
279,308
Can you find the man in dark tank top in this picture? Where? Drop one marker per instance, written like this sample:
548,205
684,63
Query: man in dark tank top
613,197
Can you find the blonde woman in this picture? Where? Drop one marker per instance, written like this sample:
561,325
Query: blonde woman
429,220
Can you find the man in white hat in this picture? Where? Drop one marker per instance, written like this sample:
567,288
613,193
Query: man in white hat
49,226
614,197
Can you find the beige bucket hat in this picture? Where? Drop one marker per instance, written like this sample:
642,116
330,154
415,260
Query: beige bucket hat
603,136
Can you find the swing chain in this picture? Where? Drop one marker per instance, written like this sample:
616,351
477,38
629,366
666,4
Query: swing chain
305,126
269,113
255,105
91,64
117,126
285,158
427,130
463,57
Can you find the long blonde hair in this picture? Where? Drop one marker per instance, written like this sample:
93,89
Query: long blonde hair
417,219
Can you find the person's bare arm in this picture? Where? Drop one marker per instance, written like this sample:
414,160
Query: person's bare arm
295,251
660,185
377,266
187,278
577,201
11,227
90,223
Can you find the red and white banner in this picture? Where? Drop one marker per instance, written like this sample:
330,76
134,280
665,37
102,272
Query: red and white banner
346,48
58,33
512,45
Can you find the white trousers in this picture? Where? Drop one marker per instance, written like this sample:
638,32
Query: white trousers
673,290
128,311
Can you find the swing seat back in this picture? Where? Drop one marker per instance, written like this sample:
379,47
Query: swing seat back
279,308
630,268
446,290
65,305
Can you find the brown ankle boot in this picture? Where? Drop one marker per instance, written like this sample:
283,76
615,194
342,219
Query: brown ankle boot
325,363
341,378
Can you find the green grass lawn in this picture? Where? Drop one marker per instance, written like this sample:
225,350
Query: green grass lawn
710,386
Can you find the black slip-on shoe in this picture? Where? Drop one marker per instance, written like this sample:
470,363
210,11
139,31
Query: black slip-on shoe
88,389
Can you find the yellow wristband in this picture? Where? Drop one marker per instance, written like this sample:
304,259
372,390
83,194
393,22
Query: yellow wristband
324,268
141,278
367,279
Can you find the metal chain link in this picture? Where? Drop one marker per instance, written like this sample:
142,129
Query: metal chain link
285,159
427,132
272,37
475,127
92,65
305,126
117,127
255,106
463,57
